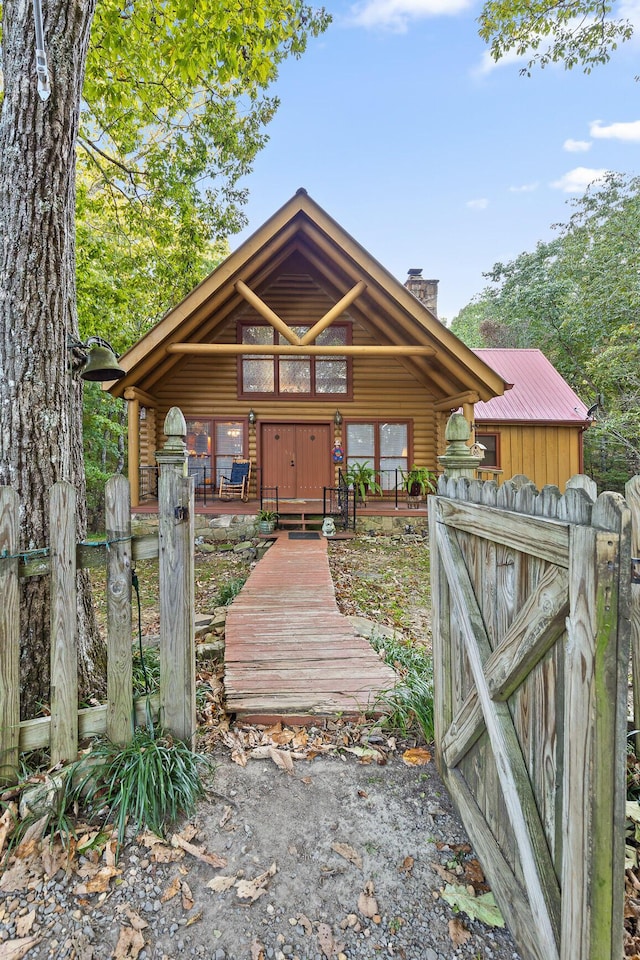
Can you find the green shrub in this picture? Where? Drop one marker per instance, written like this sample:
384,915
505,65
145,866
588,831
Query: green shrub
149,782
146,670
229,591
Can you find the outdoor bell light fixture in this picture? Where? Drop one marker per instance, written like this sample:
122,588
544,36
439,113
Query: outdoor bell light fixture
253,417
337,418
96,359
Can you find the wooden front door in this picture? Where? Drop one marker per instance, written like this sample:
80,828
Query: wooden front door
296,458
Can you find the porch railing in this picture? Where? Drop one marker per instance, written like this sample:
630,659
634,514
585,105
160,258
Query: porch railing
340,502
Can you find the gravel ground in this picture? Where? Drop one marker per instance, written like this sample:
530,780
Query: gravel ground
376,895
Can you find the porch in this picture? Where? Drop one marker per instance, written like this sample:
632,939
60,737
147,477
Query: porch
235,519
336,502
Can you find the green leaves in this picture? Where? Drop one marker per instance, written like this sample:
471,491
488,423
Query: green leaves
149,782
173,98
482,907
573,32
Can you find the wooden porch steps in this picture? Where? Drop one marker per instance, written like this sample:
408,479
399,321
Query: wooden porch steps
289,653
301,521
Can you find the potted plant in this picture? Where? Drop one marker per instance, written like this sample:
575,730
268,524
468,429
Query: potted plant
418,481
267,520
362,477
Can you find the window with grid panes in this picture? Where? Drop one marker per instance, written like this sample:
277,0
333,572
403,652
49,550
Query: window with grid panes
283,376
384,445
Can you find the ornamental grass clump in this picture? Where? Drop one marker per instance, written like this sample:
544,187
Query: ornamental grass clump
229,591
408,705
149,782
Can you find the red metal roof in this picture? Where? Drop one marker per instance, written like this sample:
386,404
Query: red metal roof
538,394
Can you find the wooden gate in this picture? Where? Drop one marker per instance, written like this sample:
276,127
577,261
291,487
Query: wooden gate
531,597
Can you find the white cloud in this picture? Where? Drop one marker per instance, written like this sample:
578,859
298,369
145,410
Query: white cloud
578,179
525,188
576,146
630,10
629,131
396,14
480,204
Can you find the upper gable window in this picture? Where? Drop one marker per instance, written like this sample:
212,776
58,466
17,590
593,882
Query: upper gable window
284,376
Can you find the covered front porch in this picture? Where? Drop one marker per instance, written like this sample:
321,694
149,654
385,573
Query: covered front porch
235,520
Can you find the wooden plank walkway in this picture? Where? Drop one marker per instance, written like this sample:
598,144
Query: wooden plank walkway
289,652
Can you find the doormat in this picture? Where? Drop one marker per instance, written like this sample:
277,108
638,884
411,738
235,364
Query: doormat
304,535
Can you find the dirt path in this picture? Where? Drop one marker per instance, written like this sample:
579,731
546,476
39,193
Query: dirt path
335,859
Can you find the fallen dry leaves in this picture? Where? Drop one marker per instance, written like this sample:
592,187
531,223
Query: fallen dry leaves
171,891
252,889
98,882
257,951
416,757
367,903
329,946
348,852
245,889
406,866
284,745
130,943
178,840
17,949
24,924
220,884
458,932
7,821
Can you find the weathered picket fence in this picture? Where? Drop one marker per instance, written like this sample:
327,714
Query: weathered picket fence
174,548
531,623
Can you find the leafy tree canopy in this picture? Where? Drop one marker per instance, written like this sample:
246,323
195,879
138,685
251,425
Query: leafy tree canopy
173,114
174,105
577,299
573,32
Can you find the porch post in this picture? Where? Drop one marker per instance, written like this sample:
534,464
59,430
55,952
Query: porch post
467,411
133,449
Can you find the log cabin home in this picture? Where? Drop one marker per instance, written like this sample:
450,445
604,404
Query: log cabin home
301,353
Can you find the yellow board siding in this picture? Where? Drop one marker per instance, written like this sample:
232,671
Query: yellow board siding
543,453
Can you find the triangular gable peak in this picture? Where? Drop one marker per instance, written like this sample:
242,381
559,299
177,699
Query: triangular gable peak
301,243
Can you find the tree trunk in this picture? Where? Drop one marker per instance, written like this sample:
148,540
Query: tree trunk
40,400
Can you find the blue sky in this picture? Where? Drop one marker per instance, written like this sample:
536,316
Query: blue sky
399,125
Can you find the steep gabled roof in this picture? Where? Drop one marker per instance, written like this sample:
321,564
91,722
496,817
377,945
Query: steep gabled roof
388,310
539,394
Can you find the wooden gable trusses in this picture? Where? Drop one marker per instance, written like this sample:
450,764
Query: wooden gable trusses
299,346
401,326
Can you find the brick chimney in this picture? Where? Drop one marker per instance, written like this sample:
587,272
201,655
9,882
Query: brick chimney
424,290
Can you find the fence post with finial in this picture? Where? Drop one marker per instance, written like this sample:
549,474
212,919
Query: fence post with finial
177,606
458,460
